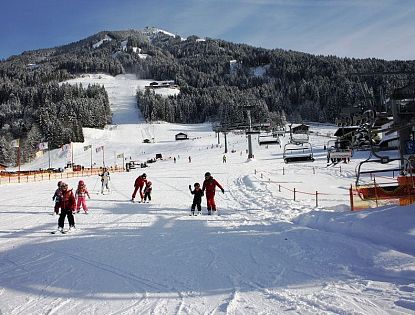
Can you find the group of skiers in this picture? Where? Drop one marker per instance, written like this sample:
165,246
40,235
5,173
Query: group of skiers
209,185
67,203
144,187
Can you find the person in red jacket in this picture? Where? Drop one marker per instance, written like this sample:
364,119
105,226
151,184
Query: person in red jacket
67,205
209,185
138,185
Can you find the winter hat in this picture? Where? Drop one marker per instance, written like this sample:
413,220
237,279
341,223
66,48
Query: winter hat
149,183
207,174
81,183
144,175
60,183
197,184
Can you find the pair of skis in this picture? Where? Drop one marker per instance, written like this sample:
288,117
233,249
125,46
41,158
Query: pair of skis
62,231
212,213
57,232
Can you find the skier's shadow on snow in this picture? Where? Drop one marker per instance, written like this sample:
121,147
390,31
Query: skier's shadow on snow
165,251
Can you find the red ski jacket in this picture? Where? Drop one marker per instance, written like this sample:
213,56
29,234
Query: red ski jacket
68,201
139,182
210,186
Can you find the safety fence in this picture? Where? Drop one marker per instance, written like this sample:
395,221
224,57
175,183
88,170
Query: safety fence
316,195
37,176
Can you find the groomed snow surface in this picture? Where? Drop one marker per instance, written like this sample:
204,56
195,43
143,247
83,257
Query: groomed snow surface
263,253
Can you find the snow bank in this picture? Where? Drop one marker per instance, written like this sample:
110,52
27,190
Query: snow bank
391,226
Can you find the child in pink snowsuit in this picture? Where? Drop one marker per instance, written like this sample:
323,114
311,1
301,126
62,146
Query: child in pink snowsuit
80,196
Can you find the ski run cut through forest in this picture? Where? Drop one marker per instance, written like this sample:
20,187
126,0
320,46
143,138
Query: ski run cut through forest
261,252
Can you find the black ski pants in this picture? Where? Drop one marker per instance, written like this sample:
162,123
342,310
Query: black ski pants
147,195
64,213
196,204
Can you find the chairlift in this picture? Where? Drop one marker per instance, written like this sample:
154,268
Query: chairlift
267,138
338,150
386,186
382,184
299,138
296,153
278,133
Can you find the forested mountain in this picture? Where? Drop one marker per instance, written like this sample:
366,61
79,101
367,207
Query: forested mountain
217,81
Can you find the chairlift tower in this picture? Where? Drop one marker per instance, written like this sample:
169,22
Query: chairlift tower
224,129
248,110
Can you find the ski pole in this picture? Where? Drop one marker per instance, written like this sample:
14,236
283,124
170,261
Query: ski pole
93,189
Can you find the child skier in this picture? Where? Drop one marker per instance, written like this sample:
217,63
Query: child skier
80,196
67,205
197,199
147,191
57,198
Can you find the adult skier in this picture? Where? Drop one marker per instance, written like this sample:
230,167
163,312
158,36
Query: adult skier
209,185
105,178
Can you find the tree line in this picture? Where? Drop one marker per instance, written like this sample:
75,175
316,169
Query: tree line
297,85
218,81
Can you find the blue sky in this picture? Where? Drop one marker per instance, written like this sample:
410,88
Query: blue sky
353,28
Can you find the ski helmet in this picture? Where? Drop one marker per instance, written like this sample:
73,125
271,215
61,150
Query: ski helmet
197,185
81,183
149,183
60,183
144,175
207,174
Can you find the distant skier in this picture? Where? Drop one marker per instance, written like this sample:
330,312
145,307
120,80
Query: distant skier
197,199
57,197
147,191
67,205
80,196
209,185
105,179
138,185
224,159
190,159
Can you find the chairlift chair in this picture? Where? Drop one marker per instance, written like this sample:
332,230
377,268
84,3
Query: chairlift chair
267,138
402,187
296,153
339,150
